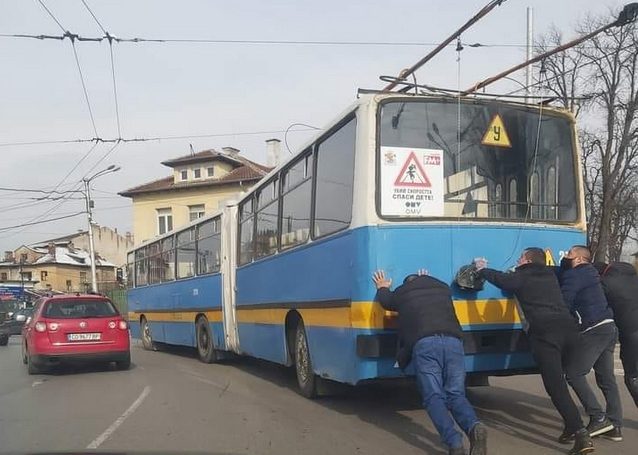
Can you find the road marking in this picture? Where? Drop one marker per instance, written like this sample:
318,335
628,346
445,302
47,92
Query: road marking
37,383
120,420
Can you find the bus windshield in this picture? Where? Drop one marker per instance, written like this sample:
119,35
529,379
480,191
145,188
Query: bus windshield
479,160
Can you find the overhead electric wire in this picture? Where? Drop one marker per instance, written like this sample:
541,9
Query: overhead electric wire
148,139
110,40
49,220
140,40
52,16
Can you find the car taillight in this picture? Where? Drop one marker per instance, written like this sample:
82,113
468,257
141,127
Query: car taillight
40,327
123,325
53,326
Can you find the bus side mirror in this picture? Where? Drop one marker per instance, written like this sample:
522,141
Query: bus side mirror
467,278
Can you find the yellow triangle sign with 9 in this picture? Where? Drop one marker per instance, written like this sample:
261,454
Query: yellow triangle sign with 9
496,135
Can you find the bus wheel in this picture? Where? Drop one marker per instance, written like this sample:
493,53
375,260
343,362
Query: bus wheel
306,378
147,337
205,349
4,340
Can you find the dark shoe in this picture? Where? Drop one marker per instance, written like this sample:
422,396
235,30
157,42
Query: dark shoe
597,427
582,444
614,435
566,437
457,451
478,440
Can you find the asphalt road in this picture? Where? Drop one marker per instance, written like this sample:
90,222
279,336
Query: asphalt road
169,401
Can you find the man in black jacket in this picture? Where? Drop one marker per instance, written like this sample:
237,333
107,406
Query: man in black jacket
620,283
585,298
430,336
552,331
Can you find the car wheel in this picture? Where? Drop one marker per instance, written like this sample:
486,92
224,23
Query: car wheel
147,337
4,340
124,364
306,378
205,349
32,368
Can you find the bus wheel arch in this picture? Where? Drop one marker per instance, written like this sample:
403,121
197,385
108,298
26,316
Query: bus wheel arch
206,351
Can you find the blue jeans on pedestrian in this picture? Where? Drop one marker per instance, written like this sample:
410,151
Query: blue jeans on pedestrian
439,364
596,350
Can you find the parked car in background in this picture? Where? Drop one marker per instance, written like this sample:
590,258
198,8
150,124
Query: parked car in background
7,309
75,328
18,319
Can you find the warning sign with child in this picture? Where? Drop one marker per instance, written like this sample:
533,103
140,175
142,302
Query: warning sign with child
411,182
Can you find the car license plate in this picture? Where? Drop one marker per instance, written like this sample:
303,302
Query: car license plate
83,336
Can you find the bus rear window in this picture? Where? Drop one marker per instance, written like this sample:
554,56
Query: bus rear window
72,309
485,160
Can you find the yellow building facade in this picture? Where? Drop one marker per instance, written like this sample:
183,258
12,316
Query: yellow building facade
200,184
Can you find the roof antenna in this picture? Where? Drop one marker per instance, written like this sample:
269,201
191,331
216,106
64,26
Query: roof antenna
192,150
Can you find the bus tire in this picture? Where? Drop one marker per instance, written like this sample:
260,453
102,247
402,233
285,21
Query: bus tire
306,378
147,336
477,380
205,348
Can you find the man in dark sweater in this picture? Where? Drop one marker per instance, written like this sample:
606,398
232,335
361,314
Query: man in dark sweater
430,336
585,298
620,283
552,331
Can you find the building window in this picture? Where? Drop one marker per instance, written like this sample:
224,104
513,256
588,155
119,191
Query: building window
44,275
27,276
210,171
184,175
164,221
195,211
3,276
69,285
82,277
197,173
23,257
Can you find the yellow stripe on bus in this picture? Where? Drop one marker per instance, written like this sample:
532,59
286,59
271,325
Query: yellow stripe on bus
360,315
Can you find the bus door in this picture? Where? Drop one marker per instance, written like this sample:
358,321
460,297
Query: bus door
229,266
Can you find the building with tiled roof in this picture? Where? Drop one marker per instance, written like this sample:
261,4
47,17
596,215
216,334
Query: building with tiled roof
199,185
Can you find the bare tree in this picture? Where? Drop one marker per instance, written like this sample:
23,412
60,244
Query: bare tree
605,71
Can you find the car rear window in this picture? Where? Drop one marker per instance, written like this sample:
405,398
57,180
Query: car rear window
72,309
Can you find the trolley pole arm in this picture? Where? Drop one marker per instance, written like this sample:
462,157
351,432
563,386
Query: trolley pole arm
482,13
627,15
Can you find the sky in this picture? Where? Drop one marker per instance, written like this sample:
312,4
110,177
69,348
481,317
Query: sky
236,94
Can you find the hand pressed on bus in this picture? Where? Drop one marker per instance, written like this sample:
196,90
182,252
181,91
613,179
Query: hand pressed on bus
380,280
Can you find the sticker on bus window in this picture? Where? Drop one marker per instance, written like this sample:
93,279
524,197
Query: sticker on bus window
496,134
411,182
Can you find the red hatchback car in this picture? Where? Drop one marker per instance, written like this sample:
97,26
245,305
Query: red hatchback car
75,328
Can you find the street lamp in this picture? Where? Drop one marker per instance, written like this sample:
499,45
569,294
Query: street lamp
89,206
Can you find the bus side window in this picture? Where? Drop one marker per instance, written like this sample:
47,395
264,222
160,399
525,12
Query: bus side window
335,180
246,231
267,220
295,208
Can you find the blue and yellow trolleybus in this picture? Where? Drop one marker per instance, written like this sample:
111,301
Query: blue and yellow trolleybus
397,182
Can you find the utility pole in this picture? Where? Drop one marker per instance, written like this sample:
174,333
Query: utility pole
530,44
89,215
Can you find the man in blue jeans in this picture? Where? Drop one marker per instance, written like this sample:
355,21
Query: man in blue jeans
430,336
585,298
